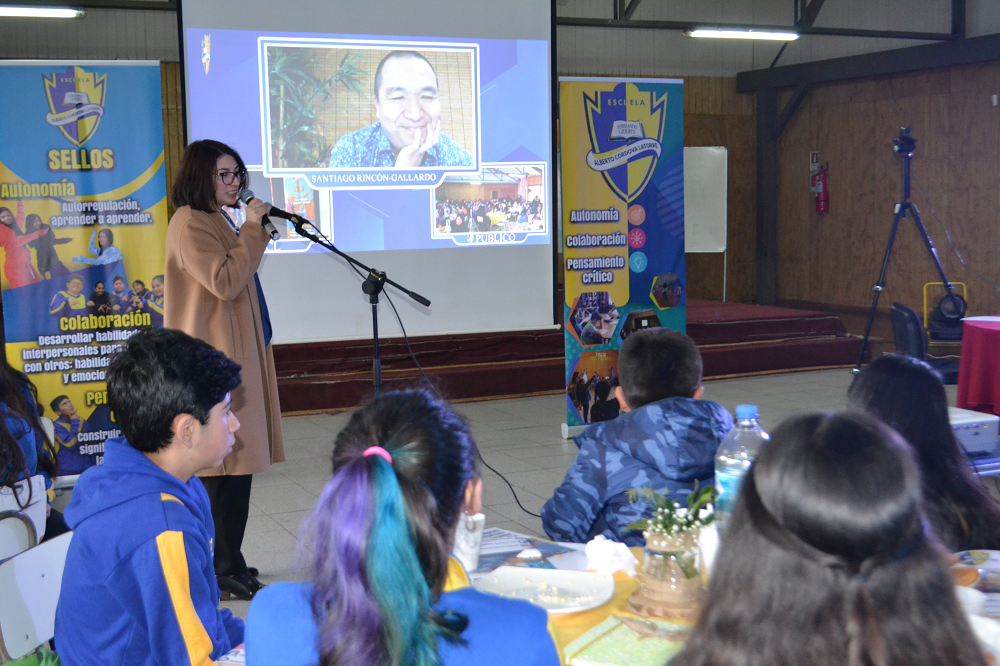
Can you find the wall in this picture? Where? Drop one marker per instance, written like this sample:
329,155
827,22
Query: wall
716,115
834,258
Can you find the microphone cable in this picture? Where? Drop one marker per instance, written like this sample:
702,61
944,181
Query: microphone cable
430,384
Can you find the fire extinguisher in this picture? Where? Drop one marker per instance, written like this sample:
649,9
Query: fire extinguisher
821,187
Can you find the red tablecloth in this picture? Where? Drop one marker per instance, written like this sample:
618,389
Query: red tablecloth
979,368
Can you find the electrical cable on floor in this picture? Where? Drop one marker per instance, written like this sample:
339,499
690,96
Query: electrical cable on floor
440,397
509,486
430,385
947,234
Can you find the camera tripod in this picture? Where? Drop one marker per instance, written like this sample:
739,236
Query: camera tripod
952,305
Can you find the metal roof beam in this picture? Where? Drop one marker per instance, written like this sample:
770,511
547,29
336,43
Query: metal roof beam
914,58
691,25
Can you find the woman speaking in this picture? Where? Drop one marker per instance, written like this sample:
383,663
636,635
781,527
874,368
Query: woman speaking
212,293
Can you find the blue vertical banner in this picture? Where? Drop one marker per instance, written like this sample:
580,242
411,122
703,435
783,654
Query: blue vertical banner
622,157
83,221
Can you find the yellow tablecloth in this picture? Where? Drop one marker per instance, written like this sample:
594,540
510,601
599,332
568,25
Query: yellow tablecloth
570,626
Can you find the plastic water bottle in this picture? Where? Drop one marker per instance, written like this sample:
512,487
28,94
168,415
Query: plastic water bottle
733,459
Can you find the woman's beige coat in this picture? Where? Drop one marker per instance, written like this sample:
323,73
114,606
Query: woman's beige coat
210,294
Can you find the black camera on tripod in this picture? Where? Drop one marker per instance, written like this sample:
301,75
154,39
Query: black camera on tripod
905,144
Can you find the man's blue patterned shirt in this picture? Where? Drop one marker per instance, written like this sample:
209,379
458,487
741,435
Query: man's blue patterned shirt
370,147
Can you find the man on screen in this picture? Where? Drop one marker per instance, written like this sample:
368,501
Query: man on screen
408,132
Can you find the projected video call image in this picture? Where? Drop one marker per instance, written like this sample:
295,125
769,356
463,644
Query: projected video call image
371,105
503,203
365,135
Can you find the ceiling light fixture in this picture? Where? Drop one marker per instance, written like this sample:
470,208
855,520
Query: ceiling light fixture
742,34
40,12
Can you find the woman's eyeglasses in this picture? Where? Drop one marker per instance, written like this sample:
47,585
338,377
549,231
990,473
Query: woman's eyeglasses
228,177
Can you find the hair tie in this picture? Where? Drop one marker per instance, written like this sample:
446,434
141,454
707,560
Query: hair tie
378,451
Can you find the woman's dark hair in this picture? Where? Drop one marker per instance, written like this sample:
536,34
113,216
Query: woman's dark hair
908,395
111,240
31,217
161,373
13,387
377,542
826,560
194,184
12,216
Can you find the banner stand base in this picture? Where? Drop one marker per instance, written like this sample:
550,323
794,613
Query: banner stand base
569,432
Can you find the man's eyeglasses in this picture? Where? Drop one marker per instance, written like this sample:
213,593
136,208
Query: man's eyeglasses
228,177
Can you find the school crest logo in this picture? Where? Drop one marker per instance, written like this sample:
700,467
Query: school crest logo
626,130
76,103
206,51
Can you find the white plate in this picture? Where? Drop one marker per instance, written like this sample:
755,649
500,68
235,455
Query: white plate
554,590
982,318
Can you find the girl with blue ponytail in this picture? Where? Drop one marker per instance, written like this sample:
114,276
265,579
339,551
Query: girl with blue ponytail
384,590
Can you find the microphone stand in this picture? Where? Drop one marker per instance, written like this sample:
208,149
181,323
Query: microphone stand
373,286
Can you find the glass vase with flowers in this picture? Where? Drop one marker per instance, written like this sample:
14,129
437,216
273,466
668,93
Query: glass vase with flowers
671,569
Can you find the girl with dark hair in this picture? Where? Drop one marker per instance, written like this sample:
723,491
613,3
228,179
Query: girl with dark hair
826,560
384,590
908,395
45,251
102,243
25,449
211,274
17,266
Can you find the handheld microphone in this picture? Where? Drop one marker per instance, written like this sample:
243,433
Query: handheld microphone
246,196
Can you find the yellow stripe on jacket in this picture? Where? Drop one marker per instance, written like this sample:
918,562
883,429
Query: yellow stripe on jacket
173,559
457,578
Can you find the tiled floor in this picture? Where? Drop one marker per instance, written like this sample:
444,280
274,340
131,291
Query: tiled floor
520,438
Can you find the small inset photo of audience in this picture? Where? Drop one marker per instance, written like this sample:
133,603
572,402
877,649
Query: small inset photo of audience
591,387
667,290
504,198
594,318
639,320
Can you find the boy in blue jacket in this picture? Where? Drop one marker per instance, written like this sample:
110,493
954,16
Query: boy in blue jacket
139,585
665,439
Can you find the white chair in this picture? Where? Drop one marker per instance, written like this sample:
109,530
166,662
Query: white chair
29,586
48,428
22,527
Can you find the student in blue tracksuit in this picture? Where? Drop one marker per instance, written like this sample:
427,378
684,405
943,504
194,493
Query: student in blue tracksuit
666,440
152,302
383,589
70,302
139,584
68,426
121,297
25,449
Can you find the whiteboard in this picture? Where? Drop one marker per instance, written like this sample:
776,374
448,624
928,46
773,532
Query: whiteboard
705,199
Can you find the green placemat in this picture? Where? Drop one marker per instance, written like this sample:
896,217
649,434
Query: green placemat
612,643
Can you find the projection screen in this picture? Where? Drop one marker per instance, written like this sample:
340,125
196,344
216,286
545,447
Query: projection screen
416,136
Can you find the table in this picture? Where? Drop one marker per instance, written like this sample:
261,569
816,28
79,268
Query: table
979,367
570,626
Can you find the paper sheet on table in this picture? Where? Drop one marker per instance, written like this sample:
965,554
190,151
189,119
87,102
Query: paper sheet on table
992,606
235,657
496,540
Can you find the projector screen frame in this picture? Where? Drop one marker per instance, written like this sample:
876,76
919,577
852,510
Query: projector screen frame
553,183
